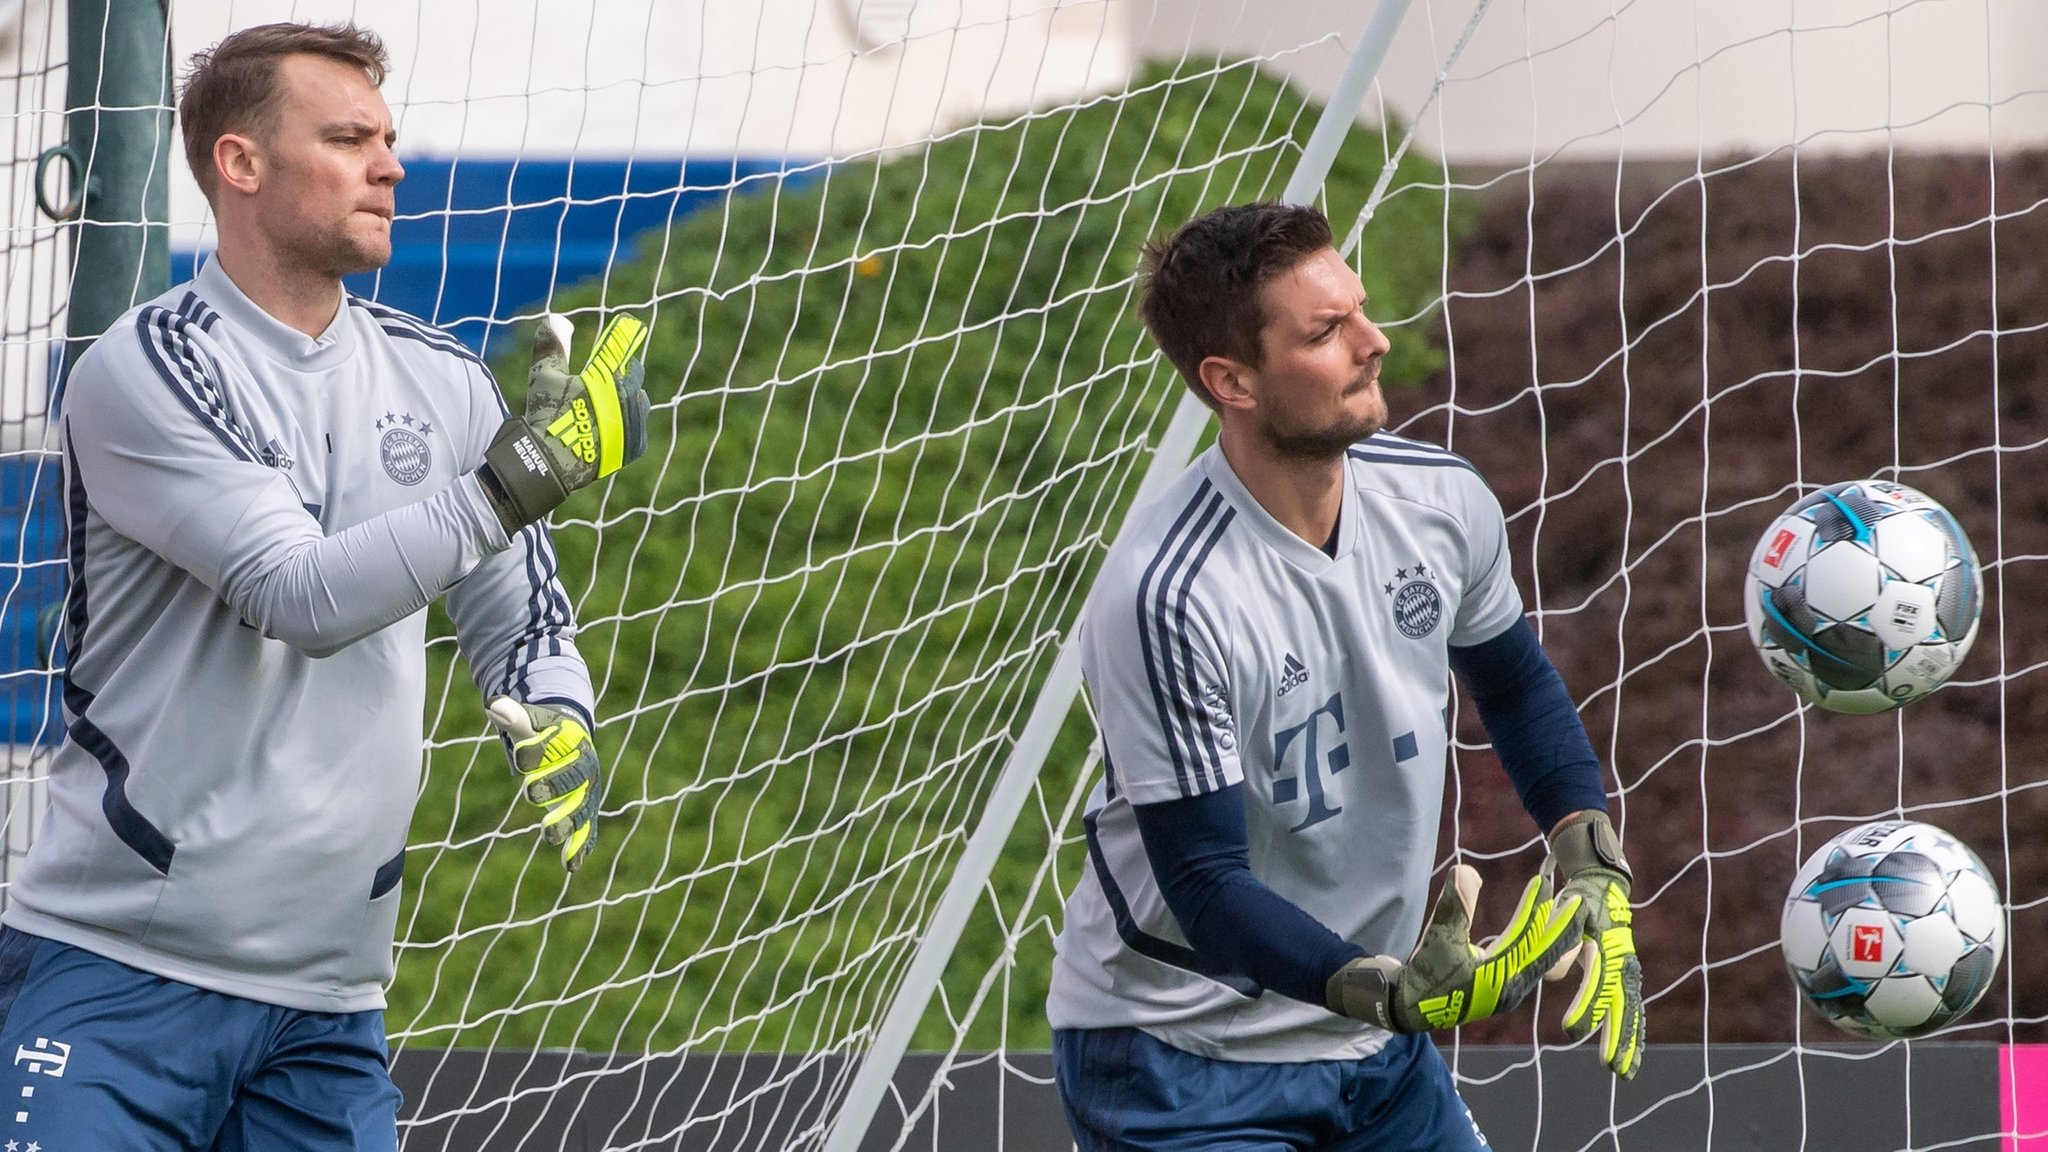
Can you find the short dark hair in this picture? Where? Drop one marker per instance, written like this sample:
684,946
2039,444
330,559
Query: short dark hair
1201,284
232,86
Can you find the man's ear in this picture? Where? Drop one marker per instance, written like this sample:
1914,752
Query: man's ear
237,163
1228,382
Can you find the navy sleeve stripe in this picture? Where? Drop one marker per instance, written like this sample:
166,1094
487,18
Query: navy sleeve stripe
1417,461
388,875
130,825
1385,439
548,613
1162,635
76,606
408,327
520,654
1387,448
1145,641
497,393
547,608
195,310
165,341
1146,944
403,333
1211,761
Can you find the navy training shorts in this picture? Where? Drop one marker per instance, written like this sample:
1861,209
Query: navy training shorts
106,1057
1126,1090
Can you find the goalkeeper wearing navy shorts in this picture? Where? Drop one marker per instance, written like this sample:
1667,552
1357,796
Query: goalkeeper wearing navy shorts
267,482
1249,960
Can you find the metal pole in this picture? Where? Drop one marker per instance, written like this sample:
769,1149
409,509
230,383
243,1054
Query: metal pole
1063,684
119,126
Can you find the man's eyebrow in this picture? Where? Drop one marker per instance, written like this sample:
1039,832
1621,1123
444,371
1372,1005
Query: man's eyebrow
1332,312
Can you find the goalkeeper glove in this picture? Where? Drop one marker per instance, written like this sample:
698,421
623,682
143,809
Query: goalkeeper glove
1586,853
557,768
577,428
1449,981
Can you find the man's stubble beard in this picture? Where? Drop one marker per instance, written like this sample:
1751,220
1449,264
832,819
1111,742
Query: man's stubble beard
335,251
1323,444
348,255
1321,447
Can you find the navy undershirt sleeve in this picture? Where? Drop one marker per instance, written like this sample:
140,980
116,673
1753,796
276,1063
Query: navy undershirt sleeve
1202,860
1529,716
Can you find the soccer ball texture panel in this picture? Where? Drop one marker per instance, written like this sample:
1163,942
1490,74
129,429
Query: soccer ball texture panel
1863,596
1893,929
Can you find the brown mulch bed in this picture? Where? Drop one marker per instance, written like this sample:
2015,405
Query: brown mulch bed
1691,373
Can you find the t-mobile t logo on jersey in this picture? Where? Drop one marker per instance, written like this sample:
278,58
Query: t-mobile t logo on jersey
48,1057
1312,736
1866,945
1293,674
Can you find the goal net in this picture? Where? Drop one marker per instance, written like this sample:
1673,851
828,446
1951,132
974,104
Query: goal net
1657,269
33,277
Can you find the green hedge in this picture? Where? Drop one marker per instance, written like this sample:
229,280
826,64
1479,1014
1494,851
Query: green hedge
913,401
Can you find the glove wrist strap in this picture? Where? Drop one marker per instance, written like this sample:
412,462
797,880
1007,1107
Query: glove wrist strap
517,477
1364,990
1588,840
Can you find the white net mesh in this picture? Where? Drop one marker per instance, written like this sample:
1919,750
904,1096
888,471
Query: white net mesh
1697,264
1683,265
901,400
32,309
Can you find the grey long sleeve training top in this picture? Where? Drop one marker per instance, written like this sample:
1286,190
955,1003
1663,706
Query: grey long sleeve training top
258,520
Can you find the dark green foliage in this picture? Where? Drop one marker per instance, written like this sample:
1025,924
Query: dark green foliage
900,409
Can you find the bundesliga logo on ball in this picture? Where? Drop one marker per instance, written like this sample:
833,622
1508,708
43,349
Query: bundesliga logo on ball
1893,929
1863,596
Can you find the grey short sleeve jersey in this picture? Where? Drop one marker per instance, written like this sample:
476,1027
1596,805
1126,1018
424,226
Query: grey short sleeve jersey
257,520
1219,649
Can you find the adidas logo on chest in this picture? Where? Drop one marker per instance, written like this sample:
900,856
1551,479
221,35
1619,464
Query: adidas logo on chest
1293,674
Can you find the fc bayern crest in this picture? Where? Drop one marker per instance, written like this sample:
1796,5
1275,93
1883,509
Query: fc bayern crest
407,457
1418,606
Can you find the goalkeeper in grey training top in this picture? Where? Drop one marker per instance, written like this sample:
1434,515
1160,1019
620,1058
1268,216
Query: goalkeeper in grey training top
267,482
1249,959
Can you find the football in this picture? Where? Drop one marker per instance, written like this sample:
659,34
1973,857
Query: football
1863,596
1893,929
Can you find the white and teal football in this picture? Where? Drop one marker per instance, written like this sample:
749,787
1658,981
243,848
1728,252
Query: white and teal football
1863,596
1893,929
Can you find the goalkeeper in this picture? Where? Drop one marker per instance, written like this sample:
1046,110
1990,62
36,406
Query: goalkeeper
268,480
1250,958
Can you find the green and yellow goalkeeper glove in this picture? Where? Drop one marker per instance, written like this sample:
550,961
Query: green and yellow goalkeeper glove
577,428
1586,854
1449,981
557,768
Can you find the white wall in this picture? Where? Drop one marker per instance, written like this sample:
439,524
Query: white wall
1669,78
835,78
698,77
